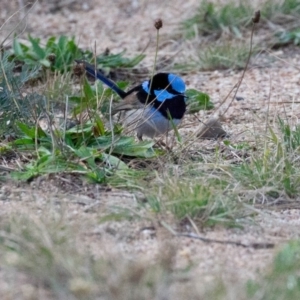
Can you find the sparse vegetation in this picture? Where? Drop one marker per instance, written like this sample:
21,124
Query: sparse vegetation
195,195
235,17
282,280
47,250
223,56
57,134
275,171
221,31
289,37
13,104
211,19
197,101
59,54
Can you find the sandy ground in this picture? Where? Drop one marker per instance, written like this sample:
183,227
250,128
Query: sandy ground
128,24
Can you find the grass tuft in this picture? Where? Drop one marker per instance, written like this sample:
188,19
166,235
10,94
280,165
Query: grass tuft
274,172
49,252
282,281
194,194
228,55
212,19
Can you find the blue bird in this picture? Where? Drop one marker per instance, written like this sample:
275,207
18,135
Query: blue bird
151,108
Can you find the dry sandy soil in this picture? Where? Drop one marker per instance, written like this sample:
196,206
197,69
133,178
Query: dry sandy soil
128,24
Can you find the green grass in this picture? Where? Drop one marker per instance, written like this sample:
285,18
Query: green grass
102,154
40,122
58,248
224,54
59,54
48,251
57,152
13,104
228,55
59,147
272,10
234,17
218,32
197,101
195,194
289,37
269,172
212,19
275,171
282,281
279,280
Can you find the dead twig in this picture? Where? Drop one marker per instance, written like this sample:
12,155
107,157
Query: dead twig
254,245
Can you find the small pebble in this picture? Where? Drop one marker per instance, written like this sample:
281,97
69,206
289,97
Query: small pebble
238,98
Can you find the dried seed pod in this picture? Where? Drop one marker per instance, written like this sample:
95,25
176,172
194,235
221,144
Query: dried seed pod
256,17
52,58
79,69
158,24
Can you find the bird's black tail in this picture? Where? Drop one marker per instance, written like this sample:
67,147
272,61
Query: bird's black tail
90,69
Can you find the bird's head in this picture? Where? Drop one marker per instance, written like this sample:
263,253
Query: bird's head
164,86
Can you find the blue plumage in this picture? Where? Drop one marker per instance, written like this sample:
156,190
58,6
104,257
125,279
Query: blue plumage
151,104
162,95
90,69
177,83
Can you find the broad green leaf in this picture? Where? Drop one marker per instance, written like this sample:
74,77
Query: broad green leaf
88,91
41,54
24,142
17,48
62,41
197,100
141,149
99,126
97,175
88,155
31,132
51,42
114,162
45,62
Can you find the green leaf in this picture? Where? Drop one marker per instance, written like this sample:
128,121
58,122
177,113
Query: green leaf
141,149
114,162
87,154
87,89
135,61
40,53
17,48
62,41
118,60
31,132
51,43
99,126
24,142
196,100
98,175
45,62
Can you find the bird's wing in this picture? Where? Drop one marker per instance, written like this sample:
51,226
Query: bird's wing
129,102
